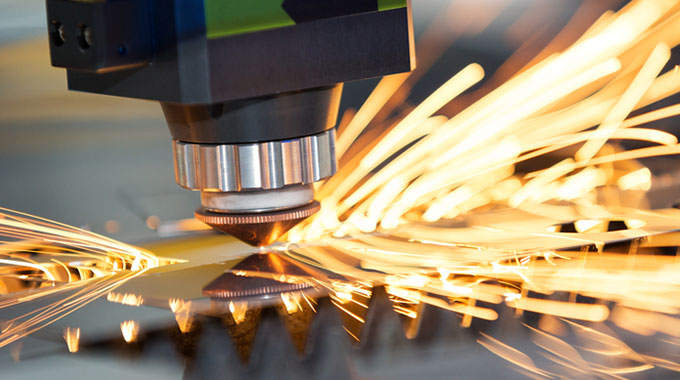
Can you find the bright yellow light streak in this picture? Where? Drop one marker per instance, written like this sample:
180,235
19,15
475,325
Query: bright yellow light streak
394,140
291,302
505,189
456,290
85,292
475,311
506,98
130,330
450,201
640,179
74,236
535,186
586,312
384,197
346,311
560,349
426,146
408,280
577,185
635,223
497,123
467,315
548,146
343,295
72,338
345,300
643,80
405,295
30,265
103,264
602,22
644,322
350,334
450,170
510,354
382,92
634,154
405,311
512,297
310,302
651,116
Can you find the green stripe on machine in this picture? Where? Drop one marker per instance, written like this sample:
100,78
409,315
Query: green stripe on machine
384,5
228,17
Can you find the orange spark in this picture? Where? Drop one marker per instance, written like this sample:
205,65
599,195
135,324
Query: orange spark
72,338
130,330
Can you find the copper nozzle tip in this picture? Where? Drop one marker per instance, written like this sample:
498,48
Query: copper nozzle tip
257,229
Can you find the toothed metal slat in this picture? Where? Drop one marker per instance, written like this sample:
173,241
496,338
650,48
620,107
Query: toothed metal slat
250,167
290,155
184,165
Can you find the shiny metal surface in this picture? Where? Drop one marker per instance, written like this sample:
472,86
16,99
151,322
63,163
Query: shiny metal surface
257,279
260,166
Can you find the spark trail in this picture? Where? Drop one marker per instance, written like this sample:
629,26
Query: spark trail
434,209
42,259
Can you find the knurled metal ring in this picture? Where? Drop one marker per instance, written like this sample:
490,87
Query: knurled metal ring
216,218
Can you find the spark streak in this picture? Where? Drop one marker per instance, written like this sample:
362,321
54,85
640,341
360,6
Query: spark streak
71,265
449,222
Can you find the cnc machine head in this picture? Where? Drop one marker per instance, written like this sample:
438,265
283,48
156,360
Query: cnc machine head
250,89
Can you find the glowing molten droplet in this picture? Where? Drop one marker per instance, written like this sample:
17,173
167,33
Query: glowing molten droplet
72,338
238,311
130,330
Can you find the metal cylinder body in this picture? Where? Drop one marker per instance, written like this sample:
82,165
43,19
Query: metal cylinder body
281,116
255,177
256,155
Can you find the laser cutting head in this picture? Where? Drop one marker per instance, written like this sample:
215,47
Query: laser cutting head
255,160
250,94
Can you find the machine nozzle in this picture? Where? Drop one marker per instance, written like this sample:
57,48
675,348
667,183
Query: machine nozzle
258,229
256,190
